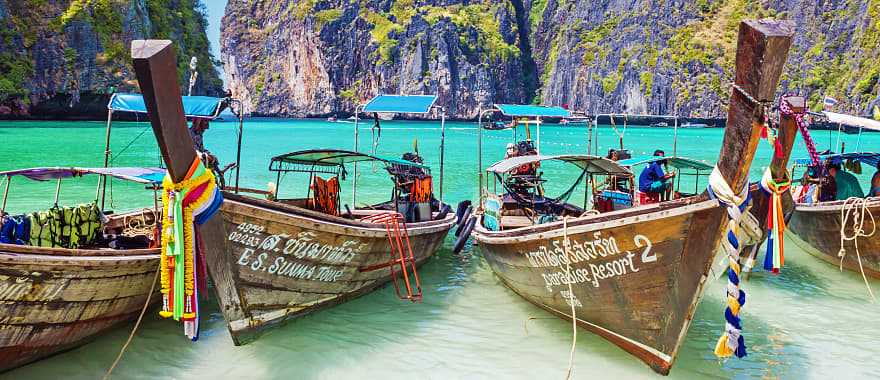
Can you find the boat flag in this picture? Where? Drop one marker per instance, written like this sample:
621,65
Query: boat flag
829,103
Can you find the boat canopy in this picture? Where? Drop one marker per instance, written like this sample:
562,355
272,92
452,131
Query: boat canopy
333,157
401,104
193,106
675,162
523,110
591,164
152,176
855,121
868,158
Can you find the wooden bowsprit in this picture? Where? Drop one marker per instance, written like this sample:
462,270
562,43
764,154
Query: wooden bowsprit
401,255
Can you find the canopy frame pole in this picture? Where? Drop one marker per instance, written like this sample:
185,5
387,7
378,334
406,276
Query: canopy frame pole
102,182
5,195
58,191
538,137
590,126
354,181
480,154
238,149
675,138
442,147
859,141
839,130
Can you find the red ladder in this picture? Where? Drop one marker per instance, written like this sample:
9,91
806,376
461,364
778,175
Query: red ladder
401,255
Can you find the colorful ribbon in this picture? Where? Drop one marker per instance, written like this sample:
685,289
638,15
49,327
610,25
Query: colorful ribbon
732,341
774,259
185,205
787,110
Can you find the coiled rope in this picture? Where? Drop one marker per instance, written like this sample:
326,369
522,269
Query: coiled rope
731,341
856,210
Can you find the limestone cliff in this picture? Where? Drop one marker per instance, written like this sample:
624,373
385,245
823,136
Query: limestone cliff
319,57
64,57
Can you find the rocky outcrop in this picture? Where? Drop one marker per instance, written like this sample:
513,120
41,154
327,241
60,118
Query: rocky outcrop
319,57
62,58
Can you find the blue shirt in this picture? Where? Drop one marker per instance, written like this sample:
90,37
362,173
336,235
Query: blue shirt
650,174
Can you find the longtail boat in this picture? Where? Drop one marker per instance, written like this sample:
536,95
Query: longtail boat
273,260
60,282
841,232
635,276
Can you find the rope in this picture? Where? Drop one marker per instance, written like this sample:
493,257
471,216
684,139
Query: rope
731,341
136,324
774,259
130,143
566,244
787,110
856,209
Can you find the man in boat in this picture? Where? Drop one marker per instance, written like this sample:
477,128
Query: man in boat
654,181
875,183
846,184
196,130
618,182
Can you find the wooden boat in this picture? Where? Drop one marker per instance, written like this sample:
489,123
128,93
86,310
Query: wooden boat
275,260
816,226
637,274
53,299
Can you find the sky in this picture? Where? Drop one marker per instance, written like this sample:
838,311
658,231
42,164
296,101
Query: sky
215,14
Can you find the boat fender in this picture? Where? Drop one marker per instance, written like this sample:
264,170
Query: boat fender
464,220
444,210
460,212
463,234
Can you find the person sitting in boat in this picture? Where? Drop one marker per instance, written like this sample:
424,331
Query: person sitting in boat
616,182
654,181
875,183
196,131
846,184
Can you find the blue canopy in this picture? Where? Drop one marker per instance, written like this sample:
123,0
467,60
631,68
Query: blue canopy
193,106
517,110
868,158
401,103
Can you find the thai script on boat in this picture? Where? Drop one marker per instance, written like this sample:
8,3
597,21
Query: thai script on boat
283,254
574,266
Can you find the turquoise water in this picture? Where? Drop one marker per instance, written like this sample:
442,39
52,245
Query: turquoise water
811,321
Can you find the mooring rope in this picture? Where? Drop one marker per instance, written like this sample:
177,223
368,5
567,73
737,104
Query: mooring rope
566,244
731,341
136,324
856,209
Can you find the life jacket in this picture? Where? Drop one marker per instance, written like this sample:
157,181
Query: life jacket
65,227
15,230
421,190
325,195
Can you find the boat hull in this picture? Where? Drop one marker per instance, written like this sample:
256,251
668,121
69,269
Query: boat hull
816,230
54,299
637,275
279,262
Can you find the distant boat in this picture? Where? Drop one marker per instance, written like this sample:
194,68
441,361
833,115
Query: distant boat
331,119
694,125
661,124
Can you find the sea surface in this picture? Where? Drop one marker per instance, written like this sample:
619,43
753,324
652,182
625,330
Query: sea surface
810,321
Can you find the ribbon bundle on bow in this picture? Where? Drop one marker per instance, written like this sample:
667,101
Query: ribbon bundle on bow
774,259
185,205
731,342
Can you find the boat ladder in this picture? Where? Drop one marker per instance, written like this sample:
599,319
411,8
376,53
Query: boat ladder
401,253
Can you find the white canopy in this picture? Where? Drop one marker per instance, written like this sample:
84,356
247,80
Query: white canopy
855,121
593,164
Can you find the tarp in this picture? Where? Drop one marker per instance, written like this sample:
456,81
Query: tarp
522,110
675,162
855,121
401,104
868,158
193,106
333,157
134,174
592,164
